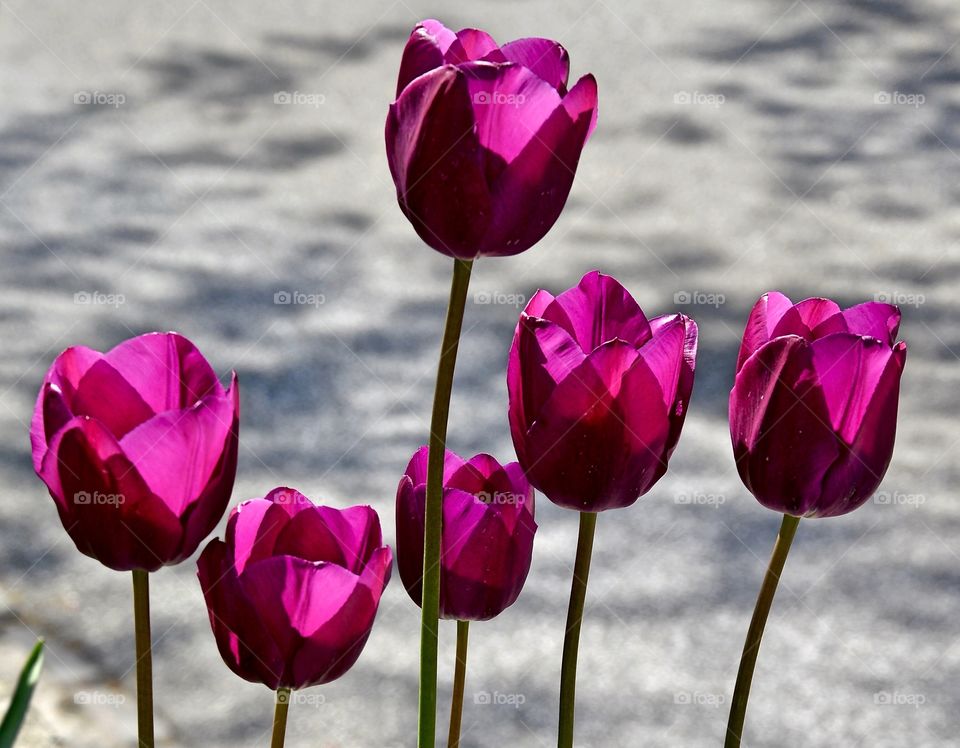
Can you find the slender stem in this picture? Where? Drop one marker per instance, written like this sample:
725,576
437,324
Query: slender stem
141,624
571,639
280,717
751,647
430,602
459,679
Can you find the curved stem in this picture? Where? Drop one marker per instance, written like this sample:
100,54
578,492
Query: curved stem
430,601
571,640
459,680
751,647
280,718
141,628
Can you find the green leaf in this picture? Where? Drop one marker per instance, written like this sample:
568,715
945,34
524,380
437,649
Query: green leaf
17,710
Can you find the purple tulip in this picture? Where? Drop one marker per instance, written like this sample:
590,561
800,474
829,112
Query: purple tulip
138,448
488,530
598,393
483,140
813,410
293,590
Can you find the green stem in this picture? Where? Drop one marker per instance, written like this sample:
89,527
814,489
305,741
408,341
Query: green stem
280,717
430,601
459,680
571,639
141,624
751,647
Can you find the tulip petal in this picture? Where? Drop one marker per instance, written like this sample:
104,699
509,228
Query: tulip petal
438,164
245,645
881,321
681,401
178,451
664,355
857,474
599,441
425,51
104,503
545,57
253,529
104,394
803,318
779,426
166,369
763,319
597,310
469,45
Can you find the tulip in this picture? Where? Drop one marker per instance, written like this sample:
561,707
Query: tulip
138,448
598,396
483,140
488,530
293,589
485,550
813,414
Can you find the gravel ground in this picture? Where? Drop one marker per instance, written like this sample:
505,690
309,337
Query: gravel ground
807,146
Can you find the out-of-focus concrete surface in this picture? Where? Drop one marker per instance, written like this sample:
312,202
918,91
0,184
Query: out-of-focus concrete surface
808,146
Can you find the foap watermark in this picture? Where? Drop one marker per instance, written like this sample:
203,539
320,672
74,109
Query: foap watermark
899,698
699,298
486,698
898,98
499,98
301,698
495,297
100,98
900,298
899,498
298,298
98,698
98,298
501,498
699,98
699,498
299,98
97,498
699,698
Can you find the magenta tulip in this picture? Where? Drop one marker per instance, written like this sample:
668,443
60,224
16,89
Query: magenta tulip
138,448
483,140
598,393
813,410
294,588
488,530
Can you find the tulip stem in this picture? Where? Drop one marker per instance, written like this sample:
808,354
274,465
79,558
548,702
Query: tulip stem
141,627
433,513
751,647
571,639
459,679
280,717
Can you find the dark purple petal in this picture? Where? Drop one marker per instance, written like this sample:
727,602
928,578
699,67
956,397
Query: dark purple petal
425,51
764,316
545,57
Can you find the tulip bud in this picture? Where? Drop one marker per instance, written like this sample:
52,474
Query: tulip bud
813,409
483,140
598,394
138,448
488,530
294,588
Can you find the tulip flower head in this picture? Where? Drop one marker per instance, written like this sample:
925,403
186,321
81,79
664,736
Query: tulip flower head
293,589
488,530
483,140
813,409
598,393
138,448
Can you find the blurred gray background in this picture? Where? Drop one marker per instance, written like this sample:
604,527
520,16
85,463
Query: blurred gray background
808,146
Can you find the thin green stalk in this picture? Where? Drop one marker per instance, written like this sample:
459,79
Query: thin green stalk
280,717
141,623
751,647
571,639
427,725
459,680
